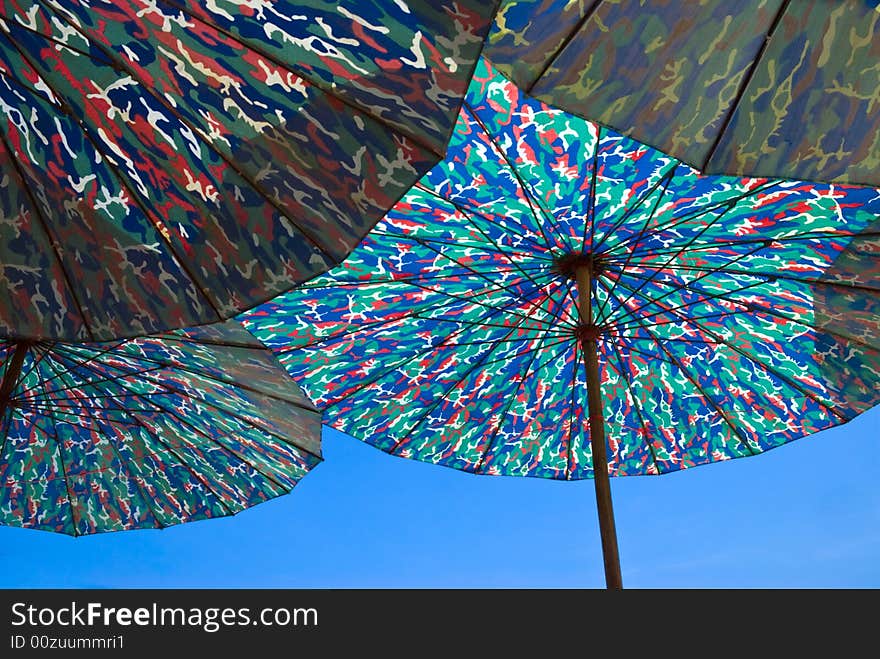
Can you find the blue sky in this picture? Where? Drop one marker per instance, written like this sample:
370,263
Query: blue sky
803,515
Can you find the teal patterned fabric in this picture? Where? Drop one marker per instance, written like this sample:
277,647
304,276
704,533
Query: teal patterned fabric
147,433
733,314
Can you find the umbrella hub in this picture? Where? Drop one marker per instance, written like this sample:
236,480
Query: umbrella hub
589,332
568,264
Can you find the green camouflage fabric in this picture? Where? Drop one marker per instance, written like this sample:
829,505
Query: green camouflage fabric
170,163
754,87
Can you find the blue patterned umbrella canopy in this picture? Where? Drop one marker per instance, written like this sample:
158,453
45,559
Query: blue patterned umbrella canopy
717,317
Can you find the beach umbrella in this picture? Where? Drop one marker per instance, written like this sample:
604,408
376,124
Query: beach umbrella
166,163
556,300
753,87
149,432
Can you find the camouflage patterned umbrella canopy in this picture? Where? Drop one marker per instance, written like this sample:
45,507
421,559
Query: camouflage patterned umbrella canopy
754,87
718,317
149,432
165,164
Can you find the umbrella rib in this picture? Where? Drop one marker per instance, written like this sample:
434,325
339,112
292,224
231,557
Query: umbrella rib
183,338
717,406
675,288
507,288
402,280
662,183
454,243
385,373
496,245
204,374
780,376
528,193
53,40
75,518
443,343
635,292
65,404
199,431
64,417
572,321
185,394
703,230
590,224
360,328
726,204
44,225
744,84
562,336
324,88
807,236
631,338
6,419
777,275
229,161
666,180
766,367
637,351
36,362
49,346
668,310
470,369
123,462
756,308
473,213
113,378
518,296
7,76
354,329
561,47
132,191
489,446
261,469
637,404
184,463
720,314
244,420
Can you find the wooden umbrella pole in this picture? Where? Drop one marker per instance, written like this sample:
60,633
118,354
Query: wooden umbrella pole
590,348
10,376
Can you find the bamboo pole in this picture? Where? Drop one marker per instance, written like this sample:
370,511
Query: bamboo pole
590,348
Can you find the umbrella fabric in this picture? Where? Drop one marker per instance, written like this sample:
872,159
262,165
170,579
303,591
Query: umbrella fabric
754,87
149,432
733,315
170,163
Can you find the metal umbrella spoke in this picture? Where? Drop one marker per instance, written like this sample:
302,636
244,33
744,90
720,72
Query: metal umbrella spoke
478,363
661,184
445,342
123,462
711,209
529,195
528,371
473,214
